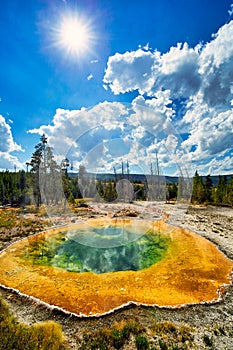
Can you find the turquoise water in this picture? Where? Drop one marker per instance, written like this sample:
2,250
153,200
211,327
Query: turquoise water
65,251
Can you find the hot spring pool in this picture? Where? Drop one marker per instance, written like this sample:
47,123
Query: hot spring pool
88,248
97,265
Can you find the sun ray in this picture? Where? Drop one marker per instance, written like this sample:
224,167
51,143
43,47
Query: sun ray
74,35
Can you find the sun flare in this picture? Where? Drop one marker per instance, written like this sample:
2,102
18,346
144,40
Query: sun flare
74,35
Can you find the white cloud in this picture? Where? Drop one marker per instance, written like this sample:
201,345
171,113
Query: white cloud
230,11
7,143
8,161
69,126
131,71
145,47
216,62
219,165
179,71
7,146
153,114
102,136
90,76
220,49
149,72
200,77
212,136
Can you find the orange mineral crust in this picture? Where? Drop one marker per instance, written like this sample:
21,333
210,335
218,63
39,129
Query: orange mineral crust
191,271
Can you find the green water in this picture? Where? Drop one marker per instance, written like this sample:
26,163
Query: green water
63,250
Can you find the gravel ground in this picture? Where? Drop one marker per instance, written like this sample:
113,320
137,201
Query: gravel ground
215,224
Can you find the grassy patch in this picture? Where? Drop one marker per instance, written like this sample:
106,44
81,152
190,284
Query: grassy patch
164,335
171,336
17,223
141,342
8,218
17,336
108,338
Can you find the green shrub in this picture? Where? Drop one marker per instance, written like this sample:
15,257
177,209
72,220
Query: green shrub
142,342
207,340
162,345
115,337
118,339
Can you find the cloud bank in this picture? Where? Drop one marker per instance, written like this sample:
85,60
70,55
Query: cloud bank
182,114
201,78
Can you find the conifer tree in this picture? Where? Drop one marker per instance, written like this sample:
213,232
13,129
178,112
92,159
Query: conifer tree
229,191
198,193
172,191
110,193
208,188
220,192
44,173
35,163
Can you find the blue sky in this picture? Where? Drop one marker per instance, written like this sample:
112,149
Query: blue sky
156,75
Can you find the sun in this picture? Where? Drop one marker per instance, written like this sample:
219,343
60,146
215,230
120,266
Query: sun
74,35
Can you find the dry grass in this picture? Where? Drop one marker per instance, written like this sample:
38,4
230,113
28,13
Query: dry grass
17,336
17,223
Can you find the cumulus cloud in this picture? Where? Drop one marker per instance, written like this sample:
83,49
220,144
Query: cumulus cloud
216,61
150,72
200,77
131,71
179,71
9,161
102,137
212,135
68,126
7,146
154,114
220,165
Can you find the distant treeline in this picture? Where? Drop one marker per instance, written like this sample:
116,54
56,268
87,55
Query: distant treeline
20,189
24,188
47,182
14,188
204,192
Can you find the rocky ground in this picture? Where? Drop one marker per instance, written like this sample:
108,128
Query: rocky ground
212,324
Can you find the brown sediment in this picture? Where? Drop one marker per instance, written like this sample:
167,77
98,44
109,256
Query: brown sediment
192,271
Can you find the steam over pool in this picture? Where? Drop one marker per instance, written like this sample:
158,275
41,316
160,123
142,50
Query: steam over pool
64,250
